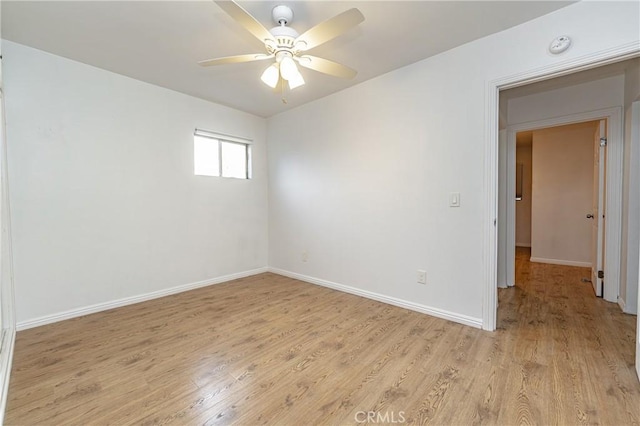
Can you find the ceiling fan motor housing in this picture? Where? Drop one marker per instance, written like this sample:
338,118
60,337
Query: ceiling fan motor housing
282,14
285,39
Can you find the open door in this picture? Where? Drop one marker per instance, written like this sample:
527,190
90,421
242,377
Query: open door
597,211
503,260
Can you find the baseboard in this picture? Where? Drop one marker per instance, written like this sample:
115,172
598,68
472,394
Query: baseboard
526,245
435,312
621,303
560,262
627,309
73,313
6,358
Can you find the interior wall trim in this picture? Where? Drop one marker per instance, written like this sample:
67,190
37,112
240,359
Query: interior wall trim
434,312
561,262
6,358
91,309
622,305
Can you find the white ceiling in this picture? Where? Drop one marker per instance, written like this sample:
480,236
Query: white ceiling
160,42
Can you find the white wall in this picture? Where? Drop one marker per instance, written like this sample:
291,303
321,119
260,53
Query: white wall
562,187
631,192
523,207
595,95
104,200
361,179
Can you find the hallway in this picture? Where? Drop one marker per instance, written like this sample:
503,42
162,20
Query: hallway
577,351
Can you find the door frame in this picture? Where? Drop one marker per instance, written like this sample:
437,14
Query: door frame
7,301
490,209
599,168
613,199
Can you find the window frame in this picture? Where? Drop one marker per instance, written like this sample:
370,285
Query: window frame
221,138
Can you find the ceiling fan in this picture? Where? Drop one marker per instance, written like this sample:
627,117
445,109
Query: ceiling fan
287,46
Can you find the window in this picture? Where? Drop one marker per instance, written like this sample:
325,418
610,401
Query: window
221,155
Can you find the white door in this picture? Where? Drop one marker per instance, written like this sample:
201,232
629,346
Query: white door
503,261
597,211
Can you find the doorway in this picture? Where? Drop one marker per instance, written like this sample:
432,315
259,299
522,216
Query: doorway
497,272
497,136
609,241
562,221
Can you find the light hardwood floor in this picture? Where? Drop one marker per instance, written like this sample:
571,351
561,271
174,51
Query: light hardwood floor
271,350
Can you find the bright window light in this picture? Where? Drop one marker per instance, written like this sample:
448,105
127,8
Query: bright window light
234,160
206,156
213,156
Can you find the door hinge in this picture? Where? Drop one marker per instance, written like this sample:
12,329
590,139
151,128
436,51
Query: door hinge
603,141
495,221
601,274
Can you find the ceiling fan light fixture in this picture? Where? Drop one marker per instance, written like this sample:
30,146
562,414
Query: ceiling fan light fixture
288,68
296,81
271,75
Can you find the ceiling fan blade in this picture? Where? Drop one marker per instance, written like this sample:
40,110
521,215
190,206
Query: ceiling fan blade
234,59
243,17
326,66
329,29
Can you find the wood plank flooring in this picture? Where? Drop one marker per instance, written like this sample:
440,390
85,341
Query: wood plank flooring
272,350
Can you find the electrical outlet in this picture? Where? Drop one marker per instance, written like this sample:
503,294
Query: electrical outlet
305,256
421,276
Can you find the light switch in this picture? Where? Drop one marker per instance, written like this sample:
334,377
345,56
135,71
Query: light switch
454,199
